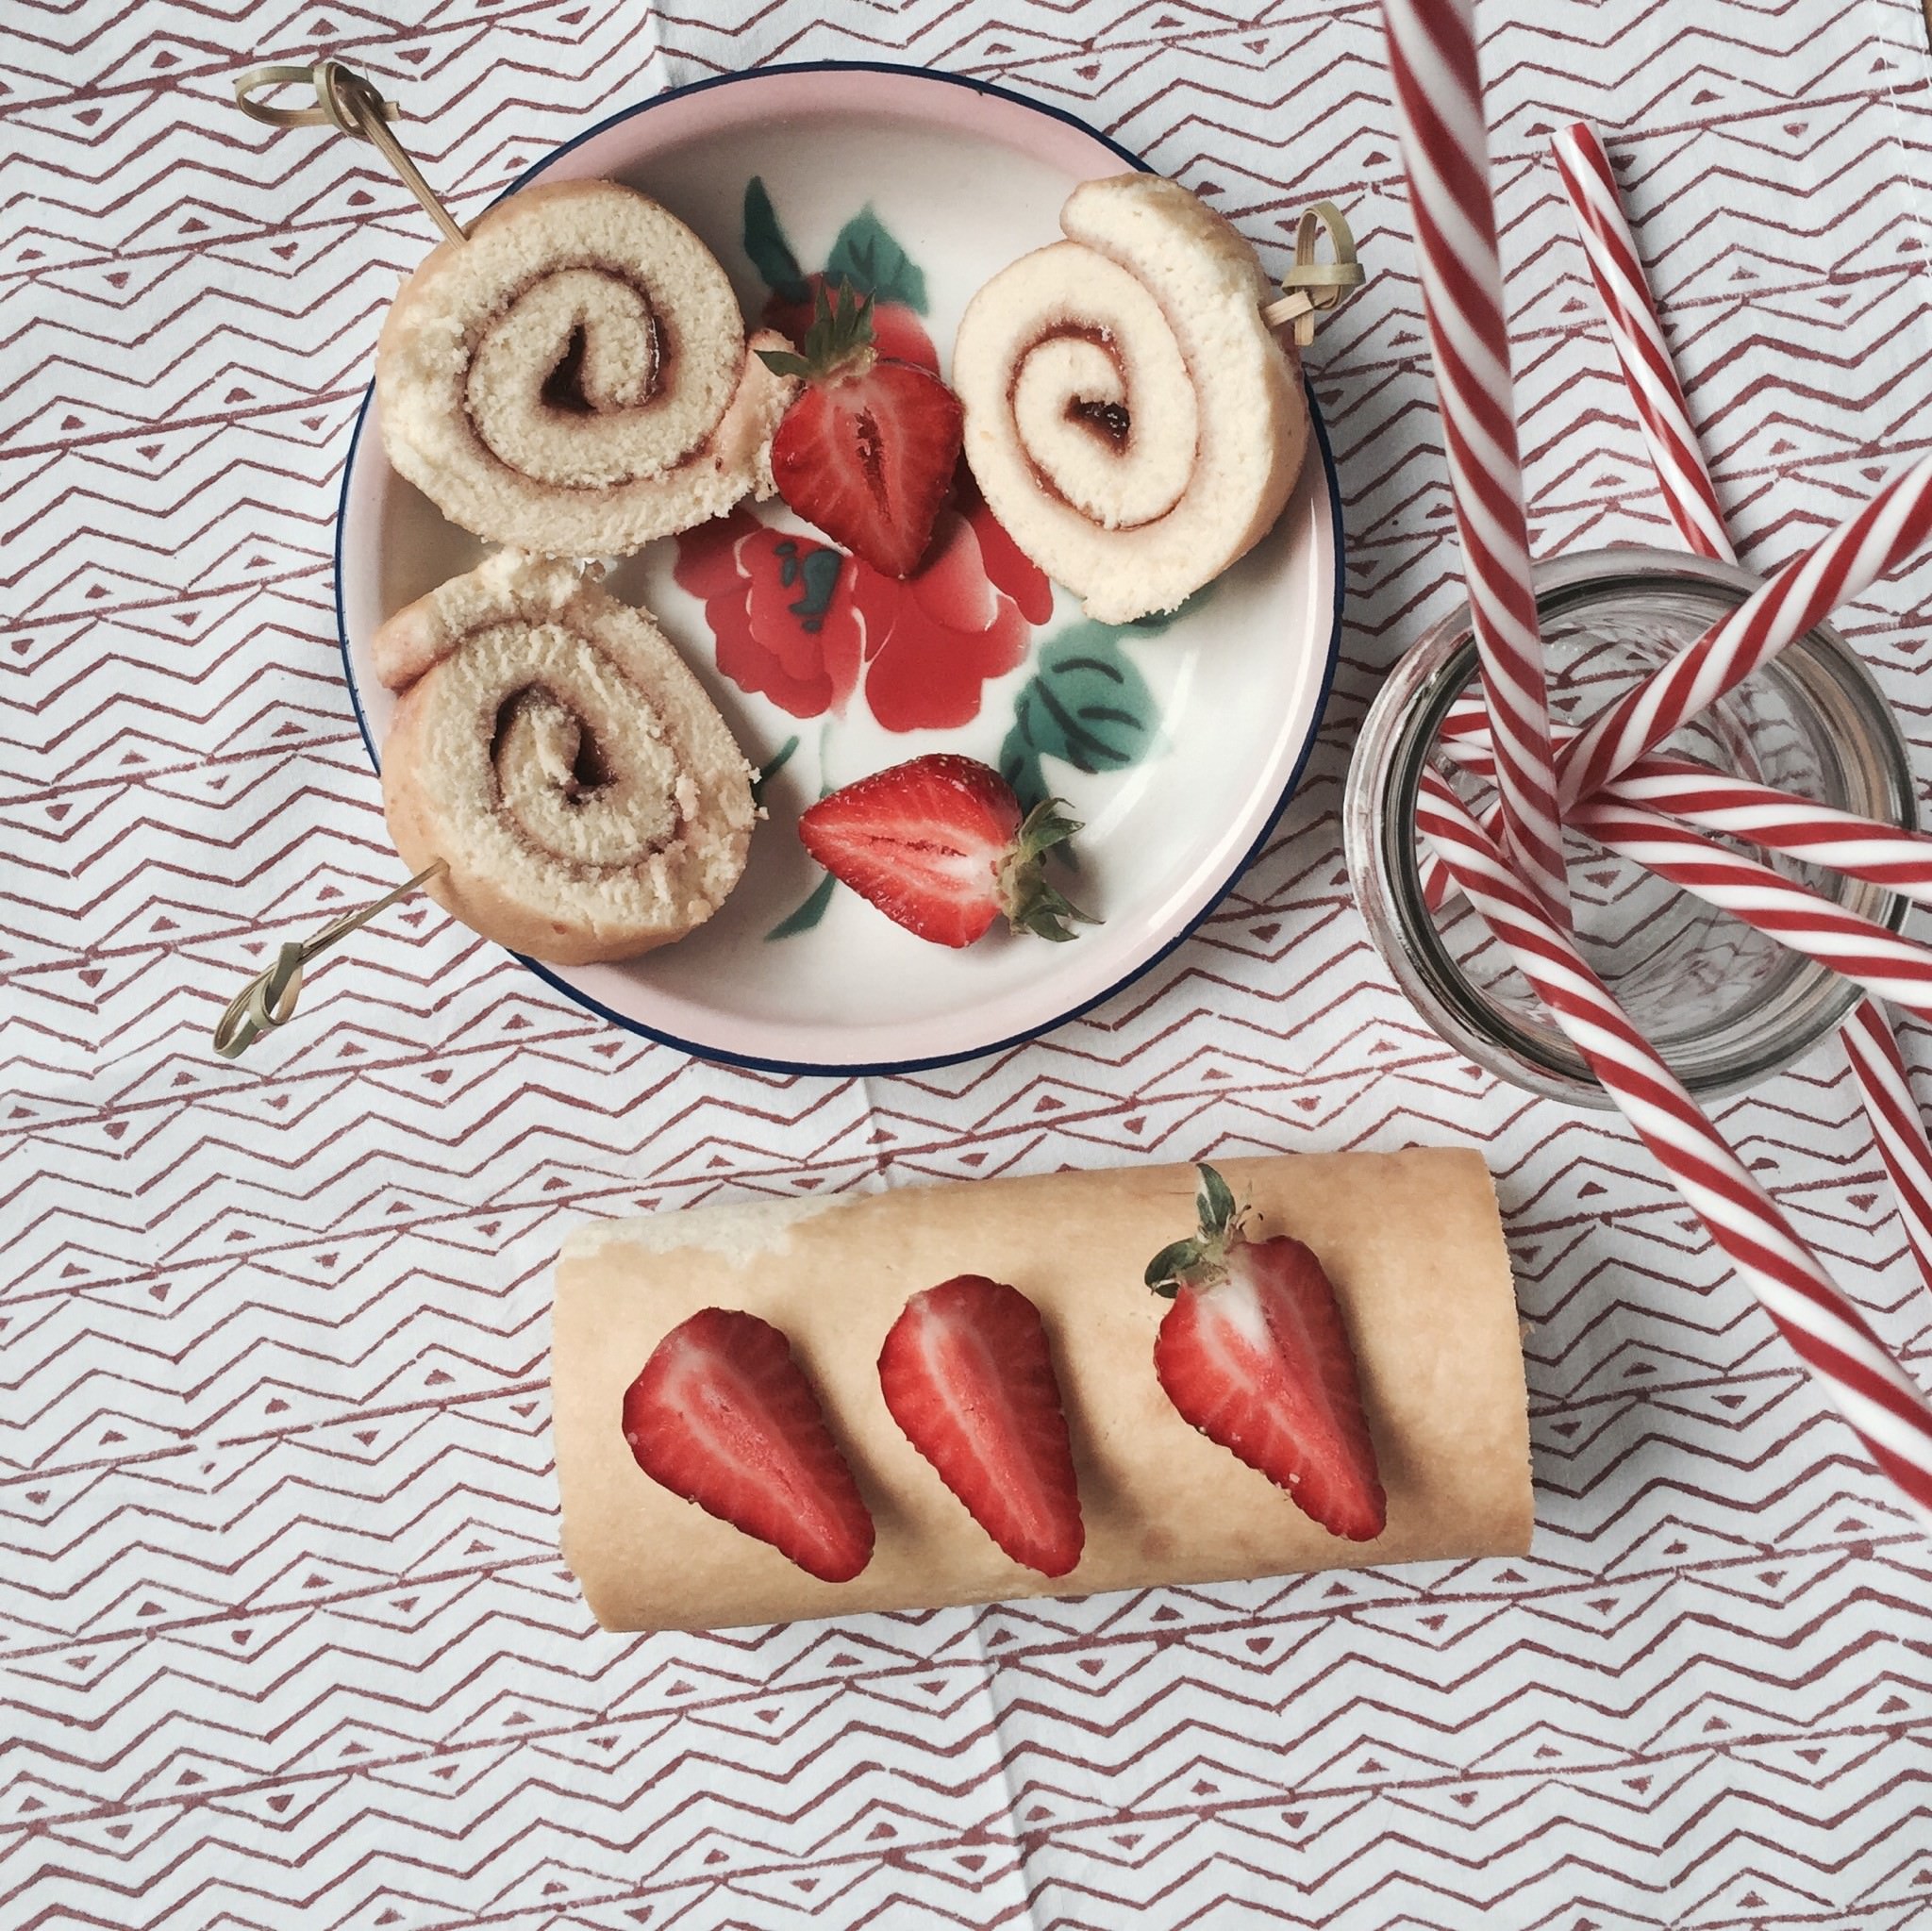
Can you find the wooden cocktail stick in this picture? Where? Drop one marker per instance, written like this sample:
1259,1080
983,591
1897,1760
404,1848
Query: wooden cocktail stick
343,100
346,101
268,1000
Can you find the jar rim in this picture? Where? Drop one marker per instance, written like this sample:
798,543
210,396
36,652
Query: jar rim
1401,732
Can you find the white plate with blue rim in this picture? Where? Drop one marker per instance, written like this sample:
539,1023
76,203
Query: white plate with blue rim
1176,741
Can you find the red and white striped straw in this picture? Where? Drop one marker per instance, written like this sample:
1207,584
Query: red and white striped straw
1891,527
1649,374
1843,842
1717,802
1446,156
1883,853
1700,794
1897,1124
1829,1334
1856,947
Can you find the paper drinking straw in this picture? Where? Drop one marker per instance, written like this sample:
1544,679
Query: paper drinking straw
1446,154
1726,804
1829,1334
1649,374
1699,795
1843,842
1852,945
1897,1124
1883,853
1891,527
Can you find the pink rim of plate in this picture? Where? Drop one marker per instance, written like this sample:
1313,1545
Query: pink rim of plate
1093,972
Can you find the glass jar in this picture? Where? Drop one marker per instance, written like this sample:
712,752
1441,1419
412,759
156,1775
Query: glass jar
1724,1003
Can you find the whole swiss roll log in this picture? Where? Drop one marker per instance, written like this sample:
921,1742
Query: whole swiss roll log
1411,1241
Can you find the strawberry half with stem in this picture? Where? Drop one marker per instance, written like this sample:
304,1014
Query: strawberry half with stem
968,1375
938,845
868,448
1255,1354
723,1416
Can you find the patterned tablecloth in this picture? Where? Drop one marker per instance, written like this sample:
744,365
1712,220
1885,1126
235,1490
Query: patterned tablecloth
287,1639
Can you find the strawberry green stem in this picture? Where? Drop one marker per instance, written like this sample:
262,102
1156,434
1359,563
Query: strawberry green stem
1201,1260
838,342
1030,903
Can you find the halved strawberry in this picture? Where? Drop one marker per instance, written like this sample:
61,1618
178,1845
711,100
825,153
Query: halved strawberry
1255,1354
723,1416
867,450
969,1377
938,845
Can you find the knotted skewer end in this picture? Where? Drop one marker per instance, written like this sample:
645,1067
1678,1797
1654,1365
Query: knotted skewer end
1312,286
354,106
268,1000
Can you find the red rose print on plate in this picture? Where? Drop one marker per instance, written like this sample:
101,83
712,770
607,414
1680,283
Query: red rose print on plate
801,622
772,599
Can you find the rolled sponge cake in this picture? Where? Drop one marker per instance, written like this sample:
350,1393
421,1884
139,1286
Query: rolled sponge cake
554,751
1130,419
1413,1241
574,379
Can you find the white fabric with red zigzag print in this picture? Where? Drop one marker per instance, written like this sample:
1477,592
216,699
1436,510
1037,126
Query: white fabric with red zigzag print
285,1638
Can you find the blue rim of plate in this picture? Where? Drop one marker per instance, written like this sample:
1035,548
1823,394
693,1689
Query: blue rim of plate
882,1069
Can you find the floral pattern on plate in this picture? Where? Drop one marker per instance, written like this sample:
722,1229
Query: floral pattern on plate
813,629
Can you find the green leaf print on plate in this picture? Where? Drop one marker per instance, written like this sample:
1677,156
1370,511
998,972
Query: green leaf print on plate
803,917
771,767
866,256
1085,704
771,253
